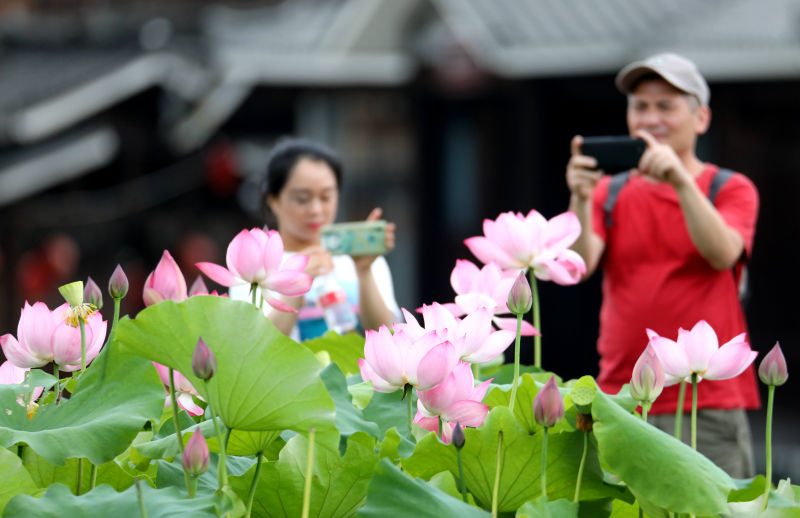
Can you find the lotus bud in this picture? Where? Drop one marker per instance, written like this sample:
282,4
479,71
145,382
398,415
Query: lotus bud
118,283
198,287
195,455
72,293
647,381
92,293
204,363
548,407
520,298
773,370
458,437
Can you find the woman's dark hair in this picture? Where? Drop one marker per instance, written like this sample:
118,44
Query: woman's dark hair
285,155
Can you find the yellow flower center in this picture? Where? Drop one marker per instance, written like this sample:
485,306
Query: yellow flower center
79,314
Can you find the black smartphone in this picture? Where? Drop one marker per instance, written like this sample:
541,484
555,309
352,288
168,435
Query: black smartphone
615,153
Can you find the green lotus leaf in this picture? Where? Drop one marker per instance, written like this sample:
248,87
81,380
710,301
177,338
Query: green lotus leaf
100,419
338,486
659,469
349,419
521,463
343,350
45,473
265,381
393,493
171,502
16,479
543,508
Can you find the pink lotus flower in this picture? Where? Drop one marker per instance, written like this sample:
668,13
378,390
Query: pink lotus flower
46,336
183,390
478,341
515,241
166,282
647,380
256,257
548,406
392,361
455,400
10,374
773,370
487,287
698,352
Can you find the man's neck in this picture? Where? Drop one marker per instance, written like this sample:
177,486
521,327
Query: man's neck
694,165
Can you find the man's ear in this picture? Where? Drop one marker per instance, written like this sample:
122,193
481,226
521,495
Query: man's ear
702,119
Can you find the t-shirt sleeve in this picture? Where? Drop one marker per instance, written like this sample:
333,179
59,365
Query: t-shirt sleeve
383,278
737,203
598,200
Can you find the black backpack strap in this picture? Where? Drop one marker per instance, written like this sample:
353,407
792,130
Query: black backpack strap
614,186
717,182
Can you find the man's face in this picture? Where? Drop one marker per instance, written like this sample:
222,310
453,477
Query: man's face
670,115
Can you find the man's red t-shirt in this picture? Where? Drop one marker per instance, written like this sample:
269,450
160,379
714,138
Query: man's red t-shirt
654,277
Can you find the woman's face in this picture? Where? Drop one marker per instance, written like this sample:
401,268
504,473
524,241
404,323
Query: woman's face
307,201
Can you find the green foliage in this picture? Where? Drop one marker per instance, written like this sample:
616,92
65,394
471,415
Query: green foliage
16,480
392,493
265,381
343,350
659,469
543,508
59,502
100,419
521,463
338,487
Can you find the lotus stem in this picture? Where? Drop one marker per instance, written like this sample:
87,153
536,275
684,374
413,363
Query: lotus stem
178,433
80,477
499,466
537,339
645,409
222,470
192,486
544,464
253,292
694,411
140,497
441,429
516,364
679,410
309,469
580,466
768,445
82,325
254,484
461,476
409,394
93,477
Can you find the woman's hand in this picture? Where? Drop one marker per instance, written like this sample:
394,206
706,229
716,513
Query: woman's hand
364,263
320,261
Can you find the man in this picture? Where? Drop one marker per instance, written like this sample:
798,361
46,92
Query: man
670,256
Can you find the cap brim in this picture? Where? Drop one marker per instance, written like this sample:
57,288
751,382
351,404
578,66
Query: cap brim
628,76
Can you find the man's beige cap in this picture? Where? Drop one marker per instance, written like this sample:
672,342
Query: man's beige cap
674,69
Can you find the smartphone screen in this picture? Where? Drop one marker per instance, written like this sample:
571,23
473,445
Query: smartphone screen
615,153
355,238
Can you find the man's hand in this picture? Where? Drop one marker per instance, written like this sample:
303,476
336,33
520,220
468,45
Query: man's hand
660,162
582,173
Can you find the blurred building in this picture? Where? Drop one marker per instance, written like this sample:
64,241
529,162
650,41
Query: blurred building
134,126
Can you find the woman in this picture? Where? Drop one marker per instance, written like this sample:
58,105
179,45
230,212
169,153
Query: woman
301,190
